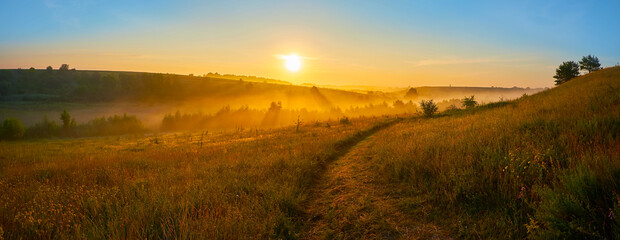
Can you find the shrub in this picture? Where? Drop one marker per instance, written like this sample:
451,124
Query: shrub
46,128
12,129
115,125
429,107
345,120
469,102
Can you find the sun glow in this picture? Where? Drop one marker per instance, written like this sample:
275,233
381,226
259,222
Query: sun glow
292,62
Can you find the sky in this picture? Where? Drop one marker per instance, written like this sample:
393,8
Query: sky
371,43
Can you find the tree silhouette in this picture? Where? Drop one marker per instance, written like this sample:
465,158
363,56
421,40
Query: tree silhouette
411,93
589,63
399,104
469,102
566,71
67,122
12,129
429,107
64,68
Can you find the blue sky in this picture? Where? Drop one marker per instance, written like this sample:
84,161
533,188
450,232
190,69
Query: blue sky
393,43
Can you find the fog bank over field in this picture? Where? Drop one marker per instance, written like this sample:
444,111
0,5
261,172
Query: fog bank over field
32,94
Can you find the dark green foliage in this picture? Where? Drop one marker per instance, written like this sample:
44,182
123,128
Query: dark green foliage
589,63
69,85
44,129
428,107
113,125
64,68
12,129
566,71
469,102
581,206
65,117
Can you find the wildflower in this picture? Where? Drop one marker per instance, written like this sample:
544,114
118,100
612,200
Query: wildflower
521,192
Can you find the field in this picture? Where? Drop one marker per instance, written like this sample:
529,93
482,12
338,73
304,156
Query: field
542,166
229,185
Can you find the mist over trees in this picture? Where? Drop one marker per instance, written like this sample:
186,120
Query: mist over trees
275,116
13,129
412,93
469,102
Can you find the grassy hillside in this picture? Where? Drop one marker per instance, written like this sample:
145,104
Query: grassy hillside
483,94
29,95
543,166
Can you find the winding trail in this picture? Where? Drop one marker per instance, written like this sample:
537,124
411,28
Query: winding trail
348,203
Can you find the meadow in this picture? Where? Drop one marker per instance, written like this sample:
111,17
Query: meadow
544,166
224,185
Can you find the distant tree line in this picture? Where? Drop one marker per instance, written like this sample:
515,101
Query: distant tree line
248,78
275,116
69,84
570,69
13,129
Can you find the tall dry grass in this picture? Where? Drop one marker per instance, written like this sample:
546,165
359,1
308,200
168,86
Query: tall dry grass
543,166
239,185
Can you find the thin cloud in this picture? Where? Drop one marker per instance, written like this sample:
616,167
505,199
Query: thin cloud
300,57
454,61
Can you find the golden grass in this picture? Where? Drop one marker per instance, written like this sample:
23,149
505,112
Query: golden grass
236,186
543,166
490,172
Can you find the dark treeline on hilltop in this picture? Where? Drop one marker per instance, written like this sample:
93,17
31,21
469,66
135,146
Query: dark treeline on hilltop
70,84
245,78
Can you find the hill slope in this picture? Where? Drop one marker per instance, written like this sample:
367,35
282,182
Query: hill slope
543,166
29,95
106,86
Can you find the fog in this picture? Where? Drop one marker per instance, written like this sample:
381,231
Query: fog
242,104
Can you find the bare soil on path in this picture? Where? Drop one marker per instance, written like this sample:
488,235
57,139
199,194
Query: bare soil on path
349,203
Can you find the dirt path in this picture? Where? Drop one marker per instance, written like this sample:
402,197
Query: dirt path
348,203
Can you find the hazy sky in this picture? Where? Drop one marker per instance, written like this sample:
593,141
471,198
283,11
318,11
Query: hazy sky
382,43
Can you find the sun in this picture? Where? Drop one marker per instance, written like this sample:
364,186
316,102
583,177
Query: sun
292,62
